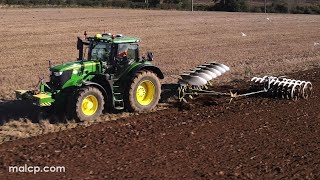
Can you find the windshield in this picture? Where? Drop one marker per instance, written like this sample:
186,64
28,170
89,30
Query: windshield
100,51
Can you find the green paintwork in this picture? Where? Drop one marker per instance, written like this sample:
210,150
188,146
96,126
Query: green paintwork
73,65
90,68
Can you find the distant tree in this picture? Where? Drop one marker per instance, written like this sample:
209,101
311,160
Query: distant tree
232,5
120,3
56,2
70,2
84,2
105,3
172,1
154,3
38,2
278,6
186,4
11,2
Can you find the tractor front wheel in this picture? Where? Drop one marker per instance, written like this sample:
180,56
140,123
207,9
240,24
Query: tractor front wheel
89,104
144,92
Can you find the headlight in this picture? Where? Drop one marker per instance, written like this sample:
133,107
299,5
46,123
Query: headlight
57,73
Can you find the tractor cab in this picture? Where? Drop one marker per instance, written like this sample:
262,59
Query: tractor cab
108,48
111,51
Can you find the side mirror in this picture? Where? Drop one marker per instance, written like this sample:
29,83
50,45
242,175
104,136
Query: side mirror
149,56
79,43
80,48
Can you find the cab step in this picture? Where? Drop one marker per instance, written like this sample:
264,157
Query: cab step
117,98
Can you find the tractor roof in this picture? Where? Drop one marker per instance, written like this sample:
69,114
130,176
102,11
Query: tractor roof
114,38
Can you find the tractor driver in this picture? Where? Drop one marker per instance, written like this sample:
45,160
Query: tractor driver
123,51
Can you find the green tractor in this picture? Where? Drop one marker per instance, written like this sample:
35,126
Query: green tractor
108,75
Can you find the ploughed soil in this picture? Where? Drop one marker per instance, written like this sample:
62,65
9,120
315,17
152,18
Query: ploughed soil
249,138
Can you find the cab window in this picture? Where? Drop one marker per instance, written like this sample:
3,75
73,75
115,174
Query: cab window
128,50
100,51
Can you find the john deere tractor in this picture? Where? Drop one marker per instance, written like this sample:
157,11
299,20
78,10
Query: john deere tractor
109,74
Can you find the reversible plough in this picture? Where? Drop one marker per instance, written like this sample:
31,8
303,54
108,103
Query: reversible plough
197,81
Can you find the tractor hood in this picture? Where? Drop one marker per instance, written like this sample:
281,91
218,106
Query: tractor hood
73,66
71,73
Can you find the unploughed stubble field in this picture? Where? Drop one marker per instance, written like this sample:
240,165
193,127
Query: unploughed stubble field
274,44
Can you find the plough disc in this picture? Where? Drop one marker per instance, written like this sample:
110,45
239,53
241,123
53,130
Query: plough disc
281,87
201,75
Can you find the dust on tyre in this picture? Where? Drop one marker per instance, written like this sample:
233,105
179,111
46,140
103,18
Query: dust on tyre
89,104
144,92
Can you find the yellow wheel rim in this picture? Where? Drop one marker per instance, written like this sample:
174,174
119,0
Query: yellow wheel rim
89,105
145,92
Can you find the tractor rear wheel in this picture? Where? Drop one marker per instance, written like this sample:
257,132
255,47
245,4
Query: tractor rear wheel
144,92
89,104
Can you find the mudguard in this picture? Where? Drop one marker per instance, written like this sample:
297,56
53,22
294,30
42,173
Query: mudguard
140,67
104,90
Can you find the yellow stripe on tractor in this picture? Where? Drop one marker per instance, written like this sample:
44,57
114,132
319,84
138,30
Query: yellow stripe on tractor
45,104
43,99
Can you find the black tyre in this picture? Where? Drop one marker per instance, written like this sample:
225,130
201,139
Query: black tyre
89,104
144,92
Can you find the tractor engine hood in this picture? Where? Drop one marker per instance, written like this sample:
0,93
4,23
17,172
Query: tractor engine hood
68,74
76,65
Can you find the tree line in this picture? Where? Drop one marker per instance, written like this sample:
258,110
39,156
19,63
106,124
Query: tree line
273,6
276,6
162,4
